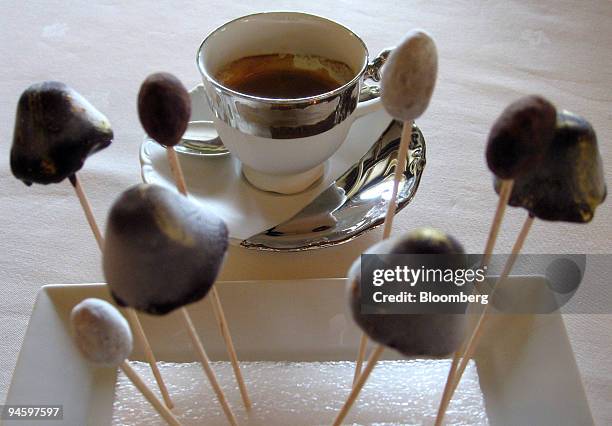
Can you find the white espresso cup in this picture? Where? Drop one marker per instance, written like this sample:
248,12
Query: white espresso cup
284,143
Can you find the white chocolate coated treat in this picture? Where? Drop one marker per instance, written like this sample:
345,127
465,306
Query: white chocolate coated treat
101,333
409,76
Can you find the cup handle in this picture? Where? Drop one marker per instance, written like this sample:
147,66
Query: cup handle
369,95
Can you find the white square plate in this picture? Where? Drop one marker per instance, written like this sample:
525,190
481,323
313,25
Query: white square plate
525,364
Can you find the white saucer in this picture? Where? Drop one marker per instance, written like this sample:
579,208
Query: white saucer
217,181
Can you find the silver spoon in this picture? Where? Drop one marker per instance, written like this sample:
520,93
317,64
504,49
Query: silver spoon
201,139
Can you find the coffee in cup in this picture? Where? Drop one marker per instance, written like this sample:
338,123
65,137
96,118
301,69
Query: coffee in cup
284,75
284,88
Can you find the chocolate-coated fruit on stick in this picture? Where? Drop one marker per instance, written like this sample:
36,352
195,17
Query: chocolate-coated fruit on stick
56,129
521,136
410,334
568,184
164,108
162,251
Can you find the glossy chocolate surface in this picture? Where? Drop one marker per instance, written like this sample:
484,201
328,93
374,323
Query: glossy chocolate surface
520,136
569,183
164,108
56,129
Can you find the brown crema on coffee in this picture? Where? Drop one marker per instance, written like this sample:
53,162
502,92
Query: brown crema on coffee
284,76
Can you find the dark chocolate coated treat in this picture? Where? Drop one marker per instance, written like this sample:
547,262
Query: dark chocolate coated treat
569,184
410,334
56,129
164,108
162,250
520,137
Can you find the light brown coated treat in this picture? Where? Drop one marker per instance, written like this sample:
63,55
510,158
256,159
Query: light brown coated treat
521,136
569,183
409,76
164,108
410,334
101,333
162,250
56,129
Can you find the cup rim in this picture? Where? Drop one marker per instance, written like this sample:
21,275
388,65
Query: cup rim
204,73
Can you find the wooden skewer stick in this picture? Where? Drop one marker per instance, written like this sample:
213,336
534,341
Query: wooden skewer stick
400,166
181,185
149,356
197,343
229,344
402,153
131,313
91,220
363,344
177,170
449,379
363,377
504,195
150,396
505,191
474,339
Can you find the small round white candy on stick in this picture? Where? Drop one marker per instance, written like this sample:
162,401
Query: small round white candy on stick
104,337
409,76
408,80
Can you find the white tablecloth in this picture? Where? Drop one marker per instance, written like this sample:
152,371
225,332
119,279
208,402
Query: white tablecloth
491,52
